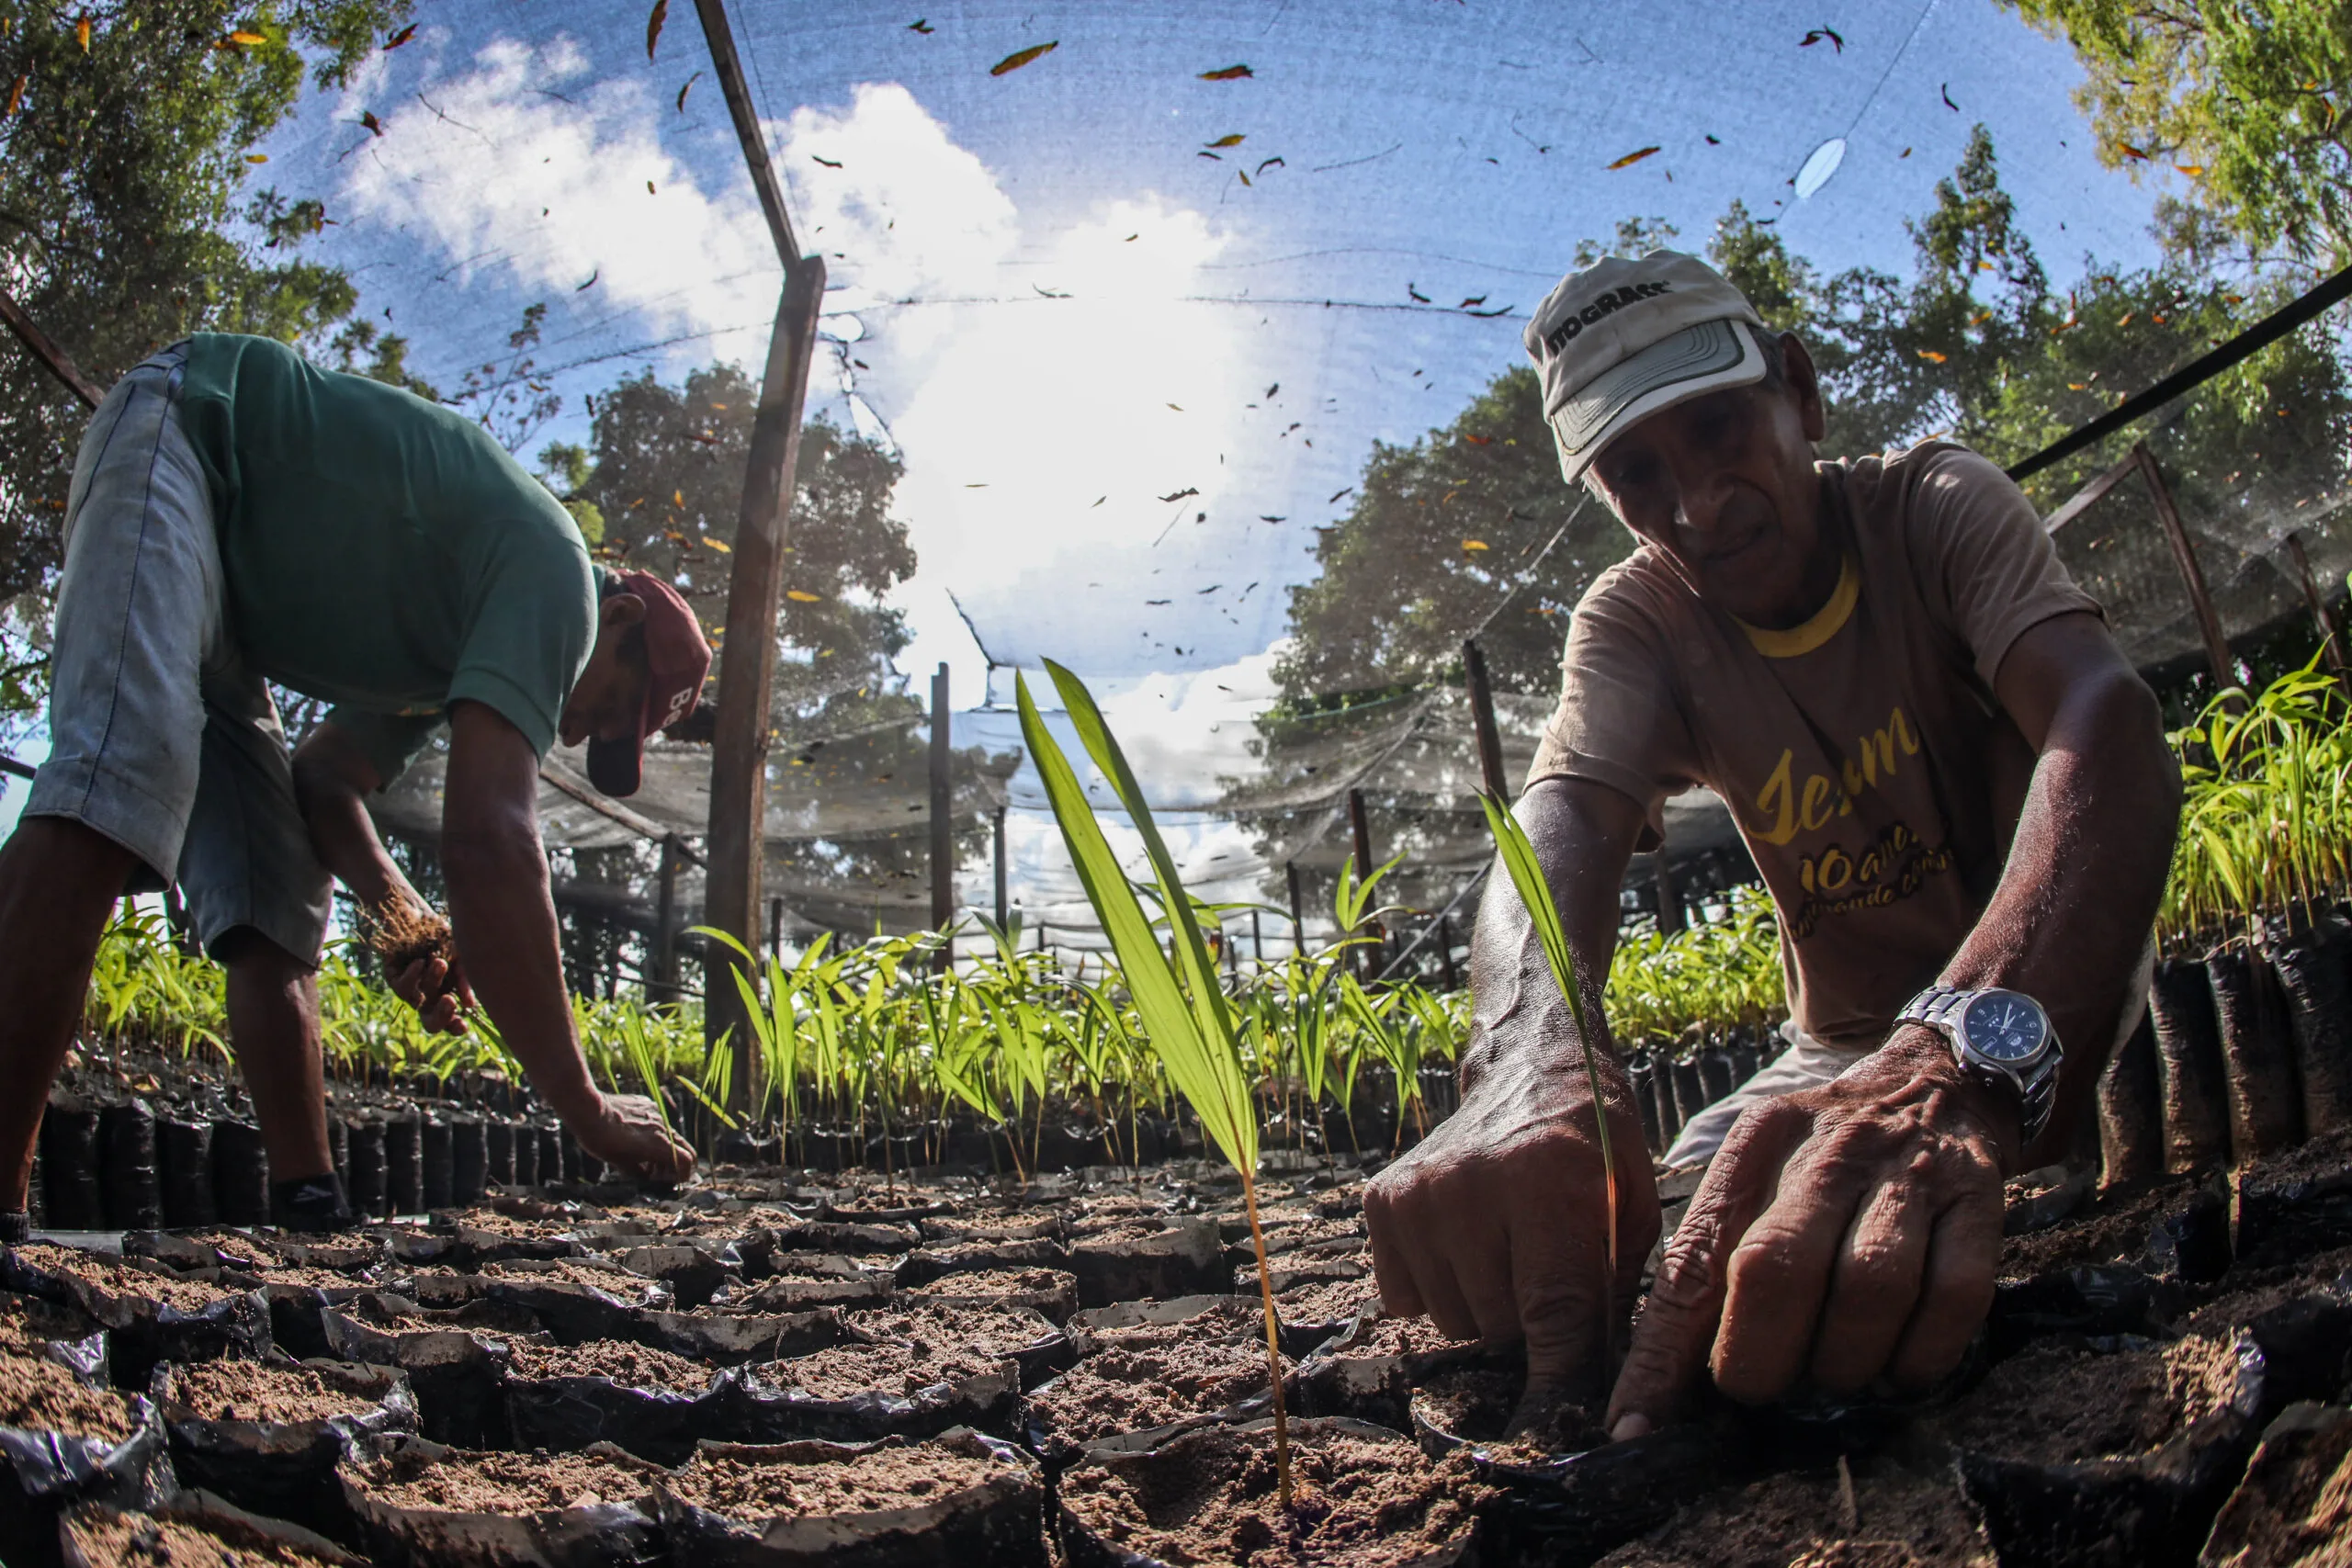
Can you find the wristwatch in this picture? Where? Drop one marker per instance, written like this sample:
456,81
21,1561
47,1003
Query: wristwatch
1999,1038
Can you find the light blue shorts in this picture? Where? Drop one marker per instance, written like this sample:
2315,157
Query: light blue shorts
159,737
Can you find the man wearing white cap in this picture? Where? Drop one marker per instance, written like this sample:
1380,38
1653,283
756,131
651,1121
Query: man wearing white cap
1960,797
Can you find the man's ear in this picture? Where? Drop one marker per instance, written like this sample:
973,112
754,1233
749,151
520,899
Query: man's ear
619,610
1804,384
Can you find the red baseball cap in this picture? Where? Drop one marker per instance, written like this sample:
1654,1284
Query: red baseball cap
678,657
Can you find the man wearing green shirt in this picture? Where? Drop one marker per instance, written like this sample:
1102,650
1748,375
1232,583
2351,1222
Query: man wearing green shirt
236,517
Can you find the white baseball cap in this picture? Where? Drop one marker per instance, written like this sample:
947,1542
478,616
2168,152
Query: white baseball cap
1623,339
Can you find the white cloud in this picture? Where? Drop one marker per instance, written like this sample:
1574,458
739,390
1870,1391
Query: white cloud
523,167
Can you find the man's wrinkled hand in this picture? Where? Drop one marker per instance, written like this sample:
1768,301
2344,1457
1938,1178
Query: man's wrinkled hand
1495,1225
437,988
625,1130
1846,1235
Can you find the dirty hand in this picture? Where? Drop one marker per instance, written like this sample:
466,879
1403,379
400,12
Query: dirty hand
625,1130
437,987
1495,1223
1846,1234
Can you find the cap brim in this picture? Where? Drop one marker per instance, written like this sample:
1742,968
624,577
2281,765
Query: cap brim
1697,360
616,767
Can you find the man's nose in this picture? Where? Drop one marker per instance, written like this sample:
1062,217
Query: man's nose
1701,490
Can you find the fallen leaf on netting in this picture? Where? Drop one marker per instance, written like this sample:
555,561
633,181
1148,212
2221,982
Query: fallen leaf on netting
2127,318
367,117
829,163
649,189
673,536
921,26
1336,494
1272,390
802,597
1019,57
401,37
1905,153
1474,544
1473,300
590,282
1417,294
1946,90
1210,156
2192,169
654,25
1270,517
1931,355
256,157
1714,141
16,97
1230,74
241,38
1635,156
1244,174
1234,139
1979,319
687,88
1179,495
2131,152
81,32
1178,407
1160,601
723,547
677,498
1817,34
2078,386
1270,164
1479,440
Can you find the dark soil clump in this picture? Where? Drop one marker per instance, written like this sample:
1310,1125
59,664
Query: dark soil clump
2051,1404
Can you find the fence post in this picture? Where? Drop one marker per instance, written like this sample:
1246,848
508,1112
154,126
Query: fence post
942,818
665,926
1297,917
1002,905
2208,624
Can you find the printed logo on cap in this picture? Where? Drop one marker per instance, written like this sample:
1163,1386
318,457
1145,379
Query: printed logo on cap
1632,293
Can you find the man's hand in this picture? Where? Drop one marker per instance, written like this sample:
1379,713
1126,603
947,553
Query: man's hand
437,989
1496,1223
625,1130
1845,1235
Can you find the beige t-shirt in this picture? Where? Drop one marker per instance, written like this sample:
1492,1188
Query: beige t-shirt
1871,771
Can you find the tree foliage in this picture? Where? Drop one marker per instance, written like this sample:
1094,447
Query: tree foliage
2247,97
125,222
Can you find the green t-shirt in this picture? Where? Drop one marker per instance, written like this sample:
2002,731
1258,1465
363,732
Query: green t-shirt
384,553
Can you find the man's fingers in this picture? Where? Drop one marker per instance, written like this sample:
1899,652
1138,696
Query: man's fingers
1399,1296
1963,1256
1873,1285
1780,1273
1678,1322
1553,1280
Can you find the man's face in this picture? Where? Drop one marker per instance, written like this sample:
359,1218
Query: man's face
610,694
1725,485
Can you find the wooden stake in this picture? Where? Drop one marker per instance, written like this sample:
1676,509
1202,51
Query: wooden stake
1482,717
2320,614
1297,919
1452,980
41,347
738,840
665,926
1002,905
943,814
1360,827
2208,624
775,928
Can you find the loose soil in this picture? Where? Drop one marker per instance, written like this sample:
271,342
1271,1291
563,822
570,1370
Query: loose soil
1150,1377
2111,1228
848,1370
469,1483
28,1320
1901,1520
2054,1404
115,1278
633,1366
886,1478
105,1536
251,1391
1212,1498
989,1332
42,1396
1027,1286
612,1279
1477,1404
1327,1301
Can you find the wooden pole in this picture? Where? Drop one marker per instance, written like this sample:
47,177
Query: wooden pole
943,809
1257,939
1445,954
776,929
739,753
729,66
2208,624
1002,904
665,926
41,347
1482,716
1360,827
1297,915
2320,614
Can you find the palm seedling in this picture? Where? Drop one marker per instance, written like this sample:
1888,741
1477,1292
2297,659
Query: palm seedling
1527,876
1181,1007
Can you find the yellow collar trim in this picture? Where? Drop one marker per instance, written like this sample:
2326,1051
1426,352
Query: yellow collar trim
1826,623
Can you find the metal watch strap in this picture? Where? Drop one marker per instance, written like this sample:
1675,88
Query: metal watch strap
2037,1085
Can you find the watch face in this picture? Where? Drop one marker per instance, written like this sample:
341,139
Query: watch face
2002,1026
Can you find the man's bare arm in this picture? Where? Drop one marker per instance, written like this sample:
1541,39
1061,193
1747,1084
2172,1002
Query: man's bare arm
1493,1224
1852,1232
507,937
